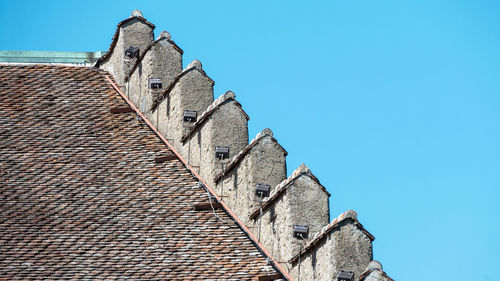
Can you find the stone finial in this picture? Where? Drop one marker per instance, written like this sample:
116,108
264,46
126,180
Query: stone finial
374,265
267,132
302,169
229,95
195,64
136,13
164,34
349,214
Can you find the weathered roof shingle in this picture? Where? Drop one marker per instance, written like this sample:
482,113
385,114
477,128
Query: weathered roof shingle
83,197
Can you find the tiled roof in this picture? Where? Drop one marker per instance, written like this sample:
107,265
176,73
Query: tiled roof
238,157
281,188
117,34
350,214
229,95
83,197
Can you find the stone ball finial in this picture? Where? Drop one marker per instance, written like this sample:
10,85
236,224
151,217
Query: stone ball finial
164,34
229,95
267,131
195,63
374,265
136,13
302,169
349,214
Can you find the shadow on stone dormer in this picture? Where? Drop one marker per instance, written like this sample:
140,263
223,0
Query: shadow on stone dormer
135,32
223,124
344,241
164,37
263,162
298,200
213,138
156,68
282,187
191,90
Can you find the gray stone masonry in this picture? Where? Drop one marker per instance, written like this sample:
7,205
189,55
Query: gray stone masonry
342,245
134,31
374,272
163,59
262,161
299,200
192,89
224,123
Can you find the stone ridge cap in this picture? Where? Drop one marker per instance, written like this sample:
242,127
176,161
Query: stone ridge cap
349,214
187,69
143,55
276,266
238,157
228,96
117,34
369,271
281,187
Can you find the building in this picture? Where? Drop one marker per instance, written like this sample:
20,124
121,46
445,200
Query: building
132,169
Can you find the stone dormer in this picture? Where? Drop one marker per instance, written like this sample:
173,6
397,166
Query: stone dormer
134,32
343,244
298,200
155,69
222,124
261,162
191,90
184,112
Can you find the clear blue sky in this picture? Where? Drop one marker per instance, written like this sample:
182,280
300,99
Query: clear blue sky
394,105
